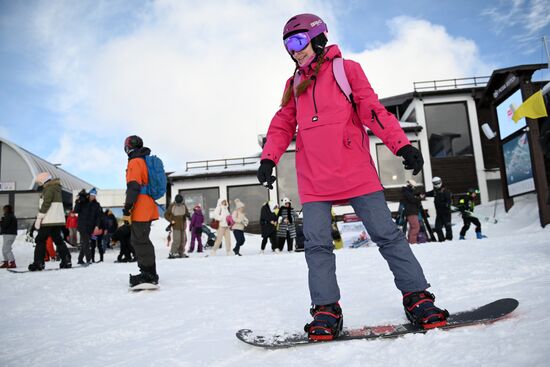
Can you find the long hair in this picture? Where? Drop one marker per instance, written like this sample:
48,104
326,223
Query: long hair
304,84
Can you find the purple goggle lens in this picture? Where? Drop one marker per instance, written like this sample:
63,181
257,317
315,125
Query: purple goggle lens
297,42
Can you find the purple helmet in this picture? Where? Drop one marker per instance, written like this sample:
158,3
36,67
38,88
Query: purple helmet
308,23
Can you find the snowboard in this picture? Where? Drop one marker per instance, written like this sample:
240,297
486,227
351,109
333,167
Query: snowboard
144,287
24,270
482,315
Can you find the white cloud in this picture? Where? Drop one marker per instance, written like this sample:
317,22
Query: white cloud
527,18
419,51
200,80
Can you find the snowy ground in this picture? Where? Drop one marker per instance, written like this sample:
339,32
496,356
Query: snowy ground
87,317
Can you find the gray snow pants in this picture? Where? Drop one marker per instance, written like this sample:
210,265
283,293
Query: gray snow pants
7,244
375,215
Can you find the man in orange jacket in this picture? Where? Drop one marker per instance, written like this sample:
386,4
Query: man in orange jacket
140,210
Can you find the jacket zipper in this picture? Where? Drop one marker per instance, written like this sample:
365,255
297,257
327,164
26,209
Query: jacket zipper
375,116
315,118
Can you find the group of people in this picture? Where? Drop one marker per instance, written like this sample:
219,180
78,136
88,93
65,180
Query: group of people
443,201
278,225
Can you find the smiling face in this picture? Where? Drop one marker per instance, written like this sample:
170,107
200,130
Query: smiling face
304,56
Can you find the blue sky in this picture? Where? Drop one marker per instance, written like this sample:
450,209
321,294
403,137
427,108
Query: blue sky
201,80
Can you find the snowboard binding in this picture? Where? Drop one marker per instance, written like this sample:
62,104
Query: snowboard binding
421,311
327,322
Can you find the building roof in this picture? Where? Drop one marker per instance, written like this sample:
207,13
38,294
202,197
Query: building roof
69,182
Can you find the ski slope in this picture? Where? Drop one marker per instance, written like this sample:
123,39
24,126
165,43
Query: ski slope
87,317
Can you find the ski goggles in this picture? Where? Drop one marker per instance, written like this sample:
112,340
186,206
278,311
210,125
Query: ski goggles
297,42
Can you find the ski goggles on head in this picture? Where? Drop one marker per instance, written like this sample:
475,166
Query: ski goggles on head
297,42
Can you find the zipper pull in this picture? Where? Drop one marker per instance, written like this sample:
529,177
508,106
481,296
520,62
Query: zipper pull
315,118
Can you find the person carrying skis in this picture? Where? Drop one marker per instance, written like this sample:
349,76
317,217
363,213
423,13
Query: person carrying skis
442,203
333,164
466,207
139,211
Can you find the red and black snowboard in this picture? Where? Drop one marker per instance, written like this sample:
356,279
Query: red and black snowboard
482,315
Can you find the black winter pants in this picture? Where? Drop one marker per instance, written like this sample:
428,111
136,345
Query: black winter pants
443,220
289,241
145,251
272,239
55,233
467,221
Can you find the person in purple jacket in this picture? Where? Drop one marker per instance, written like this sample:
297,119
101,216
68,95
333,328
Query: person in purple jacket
197,219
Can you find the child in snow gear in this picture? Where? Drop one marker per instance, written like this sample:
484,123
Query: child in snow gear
286,217
241,221
197,220
49,222
442,202
71,225
140,210
8,229
177,215
123,235
466,207
332,160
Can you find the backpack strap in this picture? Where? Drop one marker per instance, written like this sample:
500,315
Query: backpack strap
339,75
341,78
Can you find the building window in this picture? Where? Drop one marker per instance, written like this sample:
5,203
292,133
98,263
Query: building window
287,183
253,197
390,168
207,198
448,129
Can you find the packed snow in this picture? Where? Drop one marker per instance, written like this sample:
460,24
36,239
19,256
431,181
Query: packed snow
87,316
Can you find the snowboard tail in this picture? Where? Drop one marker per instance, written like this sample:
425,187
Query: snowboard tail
486,314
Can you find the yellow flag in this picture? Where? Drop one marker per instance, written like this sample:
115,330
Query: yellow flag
533,108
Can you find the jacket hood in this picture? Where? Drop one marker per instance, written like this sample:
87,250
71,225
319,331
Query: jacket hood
139,153
52,182
220,201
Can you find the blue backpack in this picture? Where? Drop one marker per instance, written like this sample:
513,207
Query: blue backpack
156,188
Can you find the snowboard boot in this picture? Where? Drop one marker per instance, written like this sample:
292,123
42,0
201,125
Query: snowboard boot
143,277
36,267
4,265
327,322
66,263
480,236
421,311
11,265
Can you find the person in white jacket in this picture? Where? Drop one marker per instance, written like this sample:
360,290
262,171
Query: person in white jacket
221,214
241,221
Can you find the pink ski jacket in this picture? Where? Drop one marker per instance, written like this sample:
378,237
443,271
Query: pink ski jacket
333,160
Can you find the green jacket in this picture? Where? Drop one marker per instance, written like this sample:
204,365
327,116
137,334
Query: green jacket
51,204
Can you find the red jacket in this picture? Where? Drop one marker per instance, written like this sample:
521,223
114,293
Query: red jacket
72,221
333,160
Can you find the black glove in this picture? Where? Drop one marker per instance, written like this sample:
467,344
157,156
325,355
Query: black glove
265,173
412,158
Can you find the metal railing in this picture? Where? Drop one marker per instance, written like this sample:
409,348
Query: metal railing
227,162
476,81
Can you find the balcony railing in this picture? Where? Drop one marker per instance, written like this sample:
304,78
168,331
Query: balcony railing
225,163
445,84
